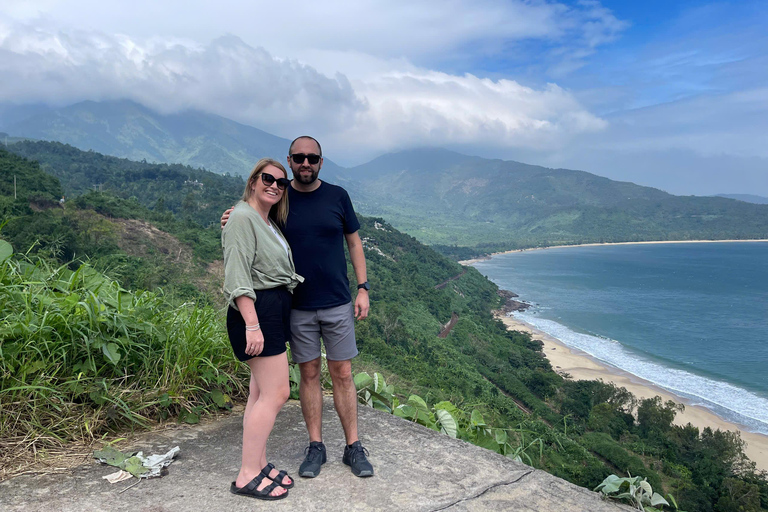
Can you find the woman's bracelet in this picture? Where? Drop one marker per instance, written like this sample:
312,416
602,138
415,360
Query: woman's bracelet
252,328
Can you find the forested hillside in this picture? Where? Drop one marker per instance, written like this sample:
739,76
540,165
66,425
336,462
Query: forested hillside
127,129
461,205
192,193
448,199
89,336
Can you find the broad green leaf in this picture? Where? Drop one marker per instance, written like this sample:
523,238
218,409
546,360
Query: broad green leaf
165,400
110,455
294,374
382,398
406,411
381,406
418,403
610,484
378,382
657,499
111,351
6,250
447,423
477,418
501,435
362,380
447,406
488,442
221,399
646,487
134,466
189,417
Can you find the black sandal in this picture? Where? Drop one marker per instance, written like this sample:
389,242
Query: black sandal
280,478
251,489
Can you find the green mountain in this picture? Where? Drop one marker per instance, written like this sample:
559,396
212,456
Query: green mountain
463,205
446,198
196,193
129,130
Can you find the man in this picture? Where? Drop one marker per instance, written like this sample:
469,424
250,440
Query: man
320,219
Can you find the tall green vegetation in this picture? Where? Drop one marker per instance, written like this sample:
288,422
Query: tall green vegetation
79,354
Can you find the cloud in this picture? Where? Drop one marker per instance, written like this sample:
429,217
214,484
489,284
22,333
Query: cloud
707,144
226,77
425,32
416,109
230,78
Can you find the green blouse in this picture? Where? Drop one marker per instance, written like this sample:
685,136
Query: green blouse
254,257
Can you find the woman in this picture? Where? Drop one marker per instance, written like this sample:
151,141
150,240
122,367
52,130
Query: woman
259,277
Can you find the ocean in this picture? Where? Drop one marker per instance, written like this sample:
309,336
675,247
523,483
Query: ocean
690,318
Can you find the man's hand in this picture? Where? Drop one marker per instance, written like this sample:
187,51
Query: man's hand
362,305
225,217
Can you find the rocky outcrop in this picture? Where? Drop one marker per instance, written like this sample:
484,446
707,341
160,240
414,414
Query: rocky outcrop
510,304
416,468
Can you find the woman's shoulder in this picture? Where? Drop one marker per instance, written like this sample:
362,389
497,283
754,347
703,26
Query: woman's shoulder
243,211
242,216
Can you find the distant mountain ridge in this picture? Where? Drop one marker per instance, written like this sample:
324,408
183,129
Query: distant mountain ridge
129,130
442,197
748,198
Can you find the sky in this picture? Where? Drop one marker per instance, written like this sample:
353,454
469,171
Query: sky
667,94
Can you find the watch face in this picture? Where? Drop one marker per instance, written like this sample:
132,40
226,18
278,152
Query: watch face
364,286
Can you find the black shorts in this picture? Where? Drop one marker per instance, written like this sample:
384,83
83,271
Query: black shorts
273,307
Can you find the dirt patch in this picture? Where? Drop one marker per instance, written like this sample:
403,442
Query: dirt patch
139,238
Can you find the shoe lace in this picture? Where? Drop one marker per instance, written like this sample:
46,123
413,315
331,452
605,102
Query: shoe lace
313,451
357,451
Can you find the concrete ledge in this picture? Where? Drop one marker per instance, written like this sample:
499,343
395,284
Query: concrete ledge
416,468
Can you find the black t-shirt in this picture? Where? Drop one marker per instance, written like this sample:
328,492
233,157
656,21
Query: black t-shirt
315,229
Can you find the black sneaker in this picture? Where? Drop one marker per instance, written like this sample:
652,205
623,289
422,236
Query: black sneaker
315,458
355,458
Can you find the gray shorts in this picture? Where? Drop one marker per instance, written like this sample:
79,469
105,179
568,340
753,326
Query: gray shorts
335,325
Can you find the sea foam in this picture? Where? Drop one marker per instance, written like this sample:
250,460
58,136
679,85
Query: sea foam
728,401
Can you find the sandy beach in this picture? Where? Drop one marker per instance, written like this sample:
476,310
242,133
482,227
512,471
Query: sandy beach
581,366
475,260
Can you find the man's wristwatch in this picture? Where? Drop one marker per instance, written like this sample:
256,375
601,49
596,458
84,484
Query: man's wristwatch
364,286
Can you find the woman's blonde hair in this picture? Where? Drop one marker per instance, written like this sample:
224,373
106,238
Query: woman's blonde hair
279,211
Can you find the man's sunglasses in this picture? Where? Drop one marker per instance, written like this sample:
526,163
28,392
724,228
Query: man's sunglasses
298,158
267,179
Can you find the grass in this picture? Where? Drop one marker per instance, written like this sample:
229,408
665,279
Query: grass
81,357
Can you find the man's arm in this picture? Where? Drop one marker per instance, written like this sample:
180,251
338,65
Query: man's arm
357,255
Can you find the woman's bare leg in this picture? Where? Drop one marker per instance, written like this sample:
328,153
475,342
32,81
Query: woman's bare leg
269,375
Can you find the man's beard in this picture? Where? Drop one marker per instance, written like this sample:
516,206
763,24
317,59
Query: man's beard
305,180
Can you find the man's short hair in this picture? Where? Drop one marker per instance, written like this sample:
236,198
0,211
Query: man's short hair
290,148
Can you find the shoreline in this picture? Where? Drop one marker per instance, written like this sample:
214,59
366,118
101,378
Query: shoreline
581,366
598,244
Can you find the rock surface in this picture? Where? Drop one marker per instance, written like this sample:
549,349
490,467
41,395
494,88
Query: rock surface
417,469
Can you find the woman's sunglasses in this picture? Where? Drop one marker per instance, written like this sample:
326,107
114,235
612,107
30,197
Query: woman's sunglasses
267,179
298,158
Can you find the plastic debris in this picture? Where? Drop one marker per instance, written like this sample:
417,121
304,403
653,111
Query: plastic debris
136,464
117,476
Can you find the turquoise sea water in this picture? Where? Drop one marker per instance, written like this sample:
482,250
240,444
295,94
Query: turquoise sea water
691,318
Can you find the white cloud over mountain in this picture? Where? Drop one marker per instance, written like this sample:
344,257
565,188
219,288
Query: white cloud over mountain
541,81
235,80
